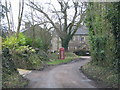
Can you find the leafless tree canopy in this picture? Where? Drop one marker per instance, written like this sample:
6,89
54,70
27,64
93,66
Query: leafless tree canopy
65,23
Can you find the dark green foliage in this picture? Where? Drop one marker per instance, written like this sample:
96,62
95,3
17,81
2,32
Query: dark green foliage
35,61
41,38
105,75
23,55
38,43
10,75
104,32
114,18
29,58
7,63
43,54
14,81
100,43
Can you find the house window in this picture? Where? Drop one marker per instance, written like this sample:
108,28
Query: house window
82,39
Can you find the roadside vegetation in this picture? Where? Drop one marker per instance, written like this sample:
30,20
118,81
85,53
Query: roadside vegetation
104,75
30,49
10,75
19,53
54,58
104,35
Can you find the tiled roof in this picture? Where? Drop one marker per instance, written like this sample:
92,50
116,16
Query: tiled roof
82,30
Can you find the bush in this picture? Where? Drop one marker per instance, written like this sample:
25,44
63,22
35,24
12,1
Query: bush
10,75
7,63
23,53
25,49
41,44
108,77
38,43
41,38
35,61
98,45
13,42
29,58
44,55
104,33
13,81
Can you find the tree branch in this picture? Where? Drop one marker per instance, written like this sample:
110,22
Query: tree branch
9,32
60,32
78,24
75,16
57,16
20,17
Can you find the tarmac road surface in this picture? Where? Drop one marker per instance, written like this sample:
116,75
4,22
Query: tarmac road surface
61,76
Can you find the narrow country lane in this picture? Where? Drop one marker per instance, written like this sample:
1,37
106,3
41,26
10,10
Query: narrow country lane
61,76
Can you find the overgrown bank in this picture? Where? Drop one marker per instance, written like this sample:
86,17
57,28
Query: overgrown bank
19,53
103,75
104,32
10,75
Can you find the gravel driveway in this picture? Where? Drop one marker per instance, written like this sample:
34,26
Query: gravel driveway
61,76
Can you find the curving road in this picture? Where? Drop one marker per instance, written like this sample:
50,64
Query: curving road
61,76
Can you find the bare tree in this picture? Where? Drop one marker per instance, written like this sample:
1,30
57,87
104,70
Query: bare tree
34,18
9,16
64,28
33,28
21,8
8,20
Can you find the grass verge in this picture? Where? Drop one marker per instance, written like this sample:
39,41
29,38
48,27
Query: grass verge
55,61
58,61
105,75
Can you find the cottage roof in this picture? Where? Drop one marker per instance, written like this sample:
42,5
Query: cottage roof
82,30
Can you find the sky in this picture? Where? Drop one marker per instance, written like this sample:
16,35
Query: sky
15,7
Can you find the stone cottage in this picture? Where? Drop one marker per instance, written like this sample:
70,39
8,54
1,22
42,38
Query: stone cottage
79,40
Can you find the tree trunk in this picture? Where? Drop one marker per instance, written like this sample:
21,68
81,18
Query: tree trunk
20,17
33,35
65,43
8,20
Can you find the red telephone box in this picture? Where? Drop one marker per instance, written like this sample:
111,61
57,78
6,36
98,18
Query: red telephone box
62,53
